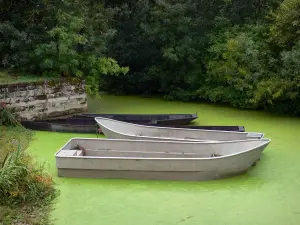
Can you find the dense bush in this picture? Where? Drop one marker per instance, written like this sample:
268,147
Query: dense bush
239,59
241,53
281,91
58,38
285,26
22,182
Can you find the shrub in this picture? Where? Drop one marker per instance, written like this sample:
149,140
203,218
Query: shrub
239,60
6,117
25,187
23,182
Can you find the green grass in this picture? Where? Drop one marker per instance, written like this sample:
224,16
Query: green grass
14,78
267,195
9,136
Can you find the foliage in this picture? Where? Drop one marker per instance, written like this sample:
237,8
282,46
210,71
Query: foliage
162,44
238,52
239,59
175,26
13,46
281,92
21,181
244,11
59,38
234,52
23,26
6,117
25,187
285,29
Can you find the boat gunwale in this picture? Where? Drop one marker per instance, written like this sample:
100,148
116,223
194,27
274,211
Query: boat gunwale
266,141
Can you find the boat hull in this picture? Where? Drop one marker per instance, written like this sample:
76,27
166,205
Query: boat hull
146,175
105,159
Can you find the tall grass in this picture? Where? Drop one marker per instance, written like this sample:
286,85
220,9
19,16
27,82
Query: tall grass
11,132
6,117
23,183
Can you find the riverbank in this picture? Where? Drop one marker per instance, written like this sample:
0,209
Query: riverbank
266,195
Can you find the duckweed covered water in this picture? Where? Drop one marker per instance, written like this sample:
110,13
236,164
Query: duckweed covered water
267,195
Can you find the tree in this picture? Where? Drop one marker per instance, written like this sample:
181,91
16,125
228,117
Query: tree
245,11
285,27
281,92
239,60
23,25
59,38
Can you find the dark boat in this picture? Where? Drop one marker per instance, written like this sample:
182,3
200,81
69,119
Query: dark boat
168,120
89,125
165,119
72,125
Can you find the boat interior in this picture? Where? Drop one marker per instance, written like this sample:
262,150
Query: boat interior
90,147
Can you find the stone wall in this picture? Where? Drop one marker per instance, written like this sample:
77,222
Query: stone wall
46,99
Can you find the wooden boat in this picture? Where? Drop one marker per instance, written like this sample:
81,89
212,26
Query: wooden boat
89,125
173,119
144,119
122,130
159,160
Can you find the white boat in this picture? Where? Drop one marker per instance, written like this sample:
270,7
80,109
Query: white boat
158,160
123,130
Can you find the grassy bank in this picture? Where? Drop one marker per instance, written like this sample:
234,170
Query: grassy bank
267,195
10,77
26,190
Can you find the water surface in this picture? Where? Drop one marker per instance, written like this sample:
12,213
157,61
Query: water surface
267,195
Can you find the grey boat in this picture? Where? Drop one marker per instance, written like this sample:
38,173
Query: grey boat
158,160
123,130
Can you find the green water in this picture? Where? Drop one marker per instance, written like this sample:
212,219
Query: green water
268,194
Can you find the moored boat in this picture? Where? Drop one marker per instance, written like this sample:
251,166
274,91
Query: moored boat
123,130
72,125
171,119
147,159
89,125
